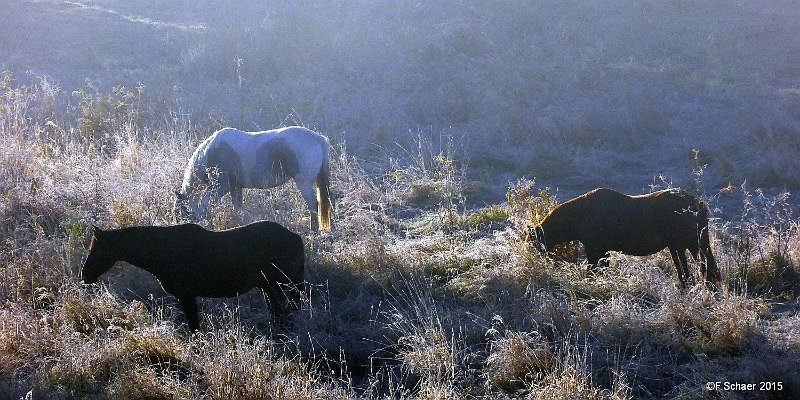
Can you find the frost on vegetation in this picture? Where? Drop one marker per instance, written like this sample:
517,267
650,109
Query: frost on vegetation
416,292
589,93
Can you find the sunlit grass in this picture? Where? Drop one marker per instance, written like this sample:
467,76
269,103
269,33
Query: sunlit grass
414,294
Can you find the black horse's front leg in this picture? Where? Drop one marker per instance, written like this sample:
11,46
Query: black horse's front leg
189,306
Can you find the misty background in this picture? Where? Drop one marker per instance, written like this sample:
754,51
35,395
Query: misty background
577,94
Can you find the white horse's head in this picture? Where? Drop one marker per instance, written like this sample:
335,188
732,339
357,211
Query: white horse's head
186,207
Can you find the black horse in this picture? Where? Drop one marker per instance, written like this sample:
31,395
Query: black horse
605,220
190,261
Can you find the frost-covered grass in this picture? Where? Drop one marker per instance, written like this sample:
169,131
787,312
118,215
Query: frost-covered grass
413,295
421,291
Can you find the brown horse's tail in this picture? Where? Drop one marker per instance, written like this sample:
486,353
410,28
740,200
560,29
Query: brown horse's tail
322,186
708,264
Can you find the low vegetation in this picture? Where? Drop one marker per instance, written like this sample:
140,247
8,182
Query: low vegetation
414,294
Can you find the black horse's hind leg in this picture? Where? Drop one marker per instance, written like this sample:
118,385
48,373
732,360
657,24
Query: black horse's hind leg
189,306
279,299
681,264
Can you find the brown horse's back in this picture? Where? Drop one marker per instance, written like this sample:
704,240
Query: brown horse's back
619,222
679,216
644,224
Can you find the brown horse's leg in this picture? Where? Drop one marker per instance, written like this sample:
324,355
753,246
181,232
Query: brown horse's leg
708,265
681,267
189,306
694,251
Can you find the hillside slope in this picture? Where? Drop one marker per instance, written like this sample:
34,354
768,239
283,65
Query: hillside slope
577,94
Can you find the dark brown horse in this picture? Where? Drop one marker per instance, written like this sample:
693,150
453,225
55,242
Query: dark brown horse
190,261
605,220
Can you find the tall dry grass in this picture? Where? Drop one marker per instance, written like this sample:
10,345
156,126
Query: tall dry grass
415,294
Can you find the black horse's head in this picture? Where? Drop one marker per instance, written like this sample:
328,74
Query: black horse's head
101,258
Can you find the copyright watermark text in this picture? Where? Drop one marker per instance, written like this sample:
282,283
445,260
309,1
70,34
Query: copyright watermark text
741,386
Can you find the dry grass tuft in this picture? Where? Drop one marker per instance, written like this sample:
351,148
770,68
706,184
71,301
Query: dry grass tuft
711,323
517,358
526,208
87,313
571,378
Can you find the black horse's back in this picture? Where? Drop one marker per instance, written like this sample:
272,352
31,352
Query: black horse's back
282,242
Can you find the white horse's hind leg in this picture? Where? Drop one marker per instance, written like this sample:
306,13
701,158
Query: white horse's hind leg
307,190
236,196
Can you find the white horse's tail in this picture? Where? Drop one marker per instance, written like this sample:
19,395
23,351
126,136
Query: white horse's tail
322,187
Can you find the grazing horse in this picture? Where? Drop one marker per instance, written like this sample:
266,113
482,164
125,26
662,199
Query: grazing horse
190,261
605,220
230,160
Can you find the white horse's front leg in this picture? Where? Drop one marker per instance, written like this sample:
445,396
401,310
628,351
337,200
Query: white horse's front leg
202,205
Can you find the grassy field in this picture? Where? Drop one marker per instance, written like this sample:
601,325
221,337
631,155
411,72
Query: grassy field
454,125
578,94
415,294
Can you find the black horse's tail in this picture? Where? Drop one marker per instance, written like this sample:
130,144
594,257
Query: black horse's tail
322,186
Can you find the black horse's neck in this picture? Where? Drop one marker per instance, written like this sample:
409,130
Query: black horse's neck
139,245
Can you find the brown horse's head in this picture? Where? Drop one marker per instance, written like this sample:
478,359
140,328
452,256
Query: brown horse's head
101,256
536,235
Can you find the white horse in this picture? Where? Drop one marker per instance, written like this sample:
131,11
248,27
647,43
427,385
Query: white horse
230,160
